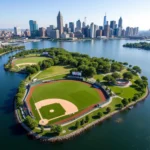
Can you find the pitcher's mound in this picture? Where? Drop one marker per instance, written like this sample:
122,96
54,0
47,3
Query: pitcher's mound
51,111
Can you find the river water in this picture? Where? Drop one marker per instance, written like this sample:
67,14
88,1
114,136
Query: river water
131,132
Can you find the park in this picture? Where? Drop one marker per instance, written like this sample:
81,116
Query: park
53,96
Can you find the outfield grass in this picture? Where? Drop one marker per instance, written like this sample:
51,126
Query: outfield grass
78,93
58,111
53,71
29,60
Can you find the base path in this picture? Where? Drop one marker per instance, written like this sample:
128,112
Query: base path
69,108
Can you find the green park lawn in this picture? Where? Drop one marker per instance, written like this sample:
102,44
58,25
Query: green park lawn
30,60
99,76
53,71
58,111
124,92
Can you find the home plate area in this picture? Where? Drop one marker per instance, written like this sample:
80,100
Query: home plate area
51,109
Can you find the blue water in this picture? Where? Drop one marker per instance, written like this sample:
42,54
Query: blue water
133,131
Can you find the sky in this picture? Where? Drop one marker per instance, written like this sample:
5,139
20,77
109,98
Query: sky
19,12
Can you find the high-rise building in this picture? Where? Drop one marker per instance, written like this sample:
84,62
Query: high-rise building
99,33
42,32
17,31
119,31
123,33
27,33
107,30
128,31
60,23
135,31
54,34
105,20
49,29
78,25
120,22
95,29
112,24
71,26
83,25
33,28
92,30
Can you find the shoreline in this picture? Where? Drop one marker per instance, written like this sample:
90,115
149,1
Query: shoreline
78,131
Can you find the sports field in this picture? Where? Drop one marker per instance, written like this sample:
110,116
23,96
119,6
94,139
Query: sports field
76,95
29,60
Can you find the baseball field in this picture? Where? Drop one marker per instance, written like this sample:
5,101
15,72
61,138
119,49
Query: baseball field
50,101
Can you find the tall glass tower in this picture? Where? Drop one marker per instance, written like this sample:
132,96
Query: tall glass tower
60,23
33,28
105,20
120,22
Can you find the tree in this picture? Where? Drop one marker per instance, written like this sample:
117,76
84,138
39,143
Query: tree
82,122
31,123
125,63
135,97
144,78
53,127
42,129
137,69
128,75
77,124
108,109
108,78
98,80
124,101
116,75
91,71
58,129
99,114
129,100
87,119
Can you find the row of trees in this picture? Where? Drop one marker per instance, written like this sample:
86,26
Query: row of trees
141,45
80,62
20,94
6,49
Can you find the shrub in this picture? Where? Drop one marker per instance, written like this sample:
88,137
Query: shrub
31,123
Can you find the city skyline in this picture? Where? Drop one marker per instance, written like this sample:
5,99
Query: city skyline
94,12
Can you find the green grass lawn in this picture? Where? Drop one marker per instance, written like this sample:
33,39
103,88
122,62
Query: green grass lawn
58,111
54,70
124,92
99,76
30,60
76,92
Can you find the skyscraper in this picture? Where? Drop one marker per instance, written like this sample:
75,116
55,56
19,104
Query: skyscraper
60,23
92,30
83,25
105,20
120,23
42,32
78,25
112,24
107,30
71,26
33,28
17,31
